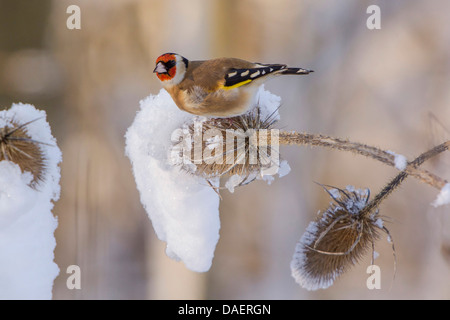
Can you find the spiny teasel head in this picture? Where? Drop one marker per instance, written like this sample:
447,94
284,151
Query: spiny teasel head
17,146
245,146
337,239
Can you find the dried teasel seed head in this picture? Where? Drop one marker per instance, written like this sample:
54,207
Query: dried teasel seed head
17,146
337,239
245,146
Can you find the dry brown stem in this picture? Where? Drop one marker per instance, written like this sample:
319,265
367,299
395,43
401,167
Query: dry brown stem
319,140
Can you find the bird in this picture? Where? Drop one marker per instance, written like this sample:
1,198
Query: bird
220,87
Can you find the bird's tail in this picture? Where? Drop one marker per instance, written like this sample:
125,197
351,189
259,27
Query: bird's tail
296,71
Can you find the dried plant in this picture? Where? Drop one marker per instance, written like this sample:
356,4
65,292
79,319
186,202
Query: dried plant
337,239
341,235
220,147
17,146
252,136
345,231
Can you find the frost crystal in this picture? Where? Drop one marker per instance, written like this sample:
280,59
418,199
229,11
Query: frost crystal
27,269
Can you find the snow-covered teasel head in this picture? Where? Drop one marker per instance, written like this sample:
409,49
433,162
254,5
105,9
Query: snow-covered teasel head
243,148
337,239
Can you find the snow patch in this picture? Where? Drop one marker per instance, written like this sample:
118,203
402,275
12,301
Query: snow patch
284,169
298,263
379,223
400,161
27,225
443,197
233,182
183,209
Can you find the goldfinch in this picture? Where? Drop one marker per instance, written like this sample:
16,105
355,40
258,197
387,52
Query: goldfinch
223,87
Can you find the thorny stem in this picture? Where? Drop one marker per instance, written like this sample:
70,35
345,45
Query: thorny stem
391,186
319,140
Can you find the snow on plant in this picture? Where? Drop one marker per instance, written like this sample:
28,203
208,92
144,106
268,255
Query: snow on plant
29,184
179,159
242,148
443,196
337,239
182,206
183,210
346,230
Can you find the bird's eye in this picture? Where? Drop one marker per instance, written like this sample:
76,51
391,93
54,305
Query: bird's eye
170,64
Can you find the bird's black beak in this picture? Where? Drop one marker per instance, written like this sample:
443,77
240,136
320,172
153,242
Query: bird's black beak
160,68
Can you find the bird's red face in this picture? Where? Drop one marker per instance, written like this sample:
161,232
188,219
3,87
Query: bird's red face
166,67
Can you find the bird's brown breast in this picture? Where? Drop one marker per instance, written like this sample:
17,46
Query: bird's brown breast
220,103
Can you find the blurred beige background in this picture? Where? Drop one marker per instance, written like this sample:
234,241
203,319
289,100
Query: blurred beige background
373,86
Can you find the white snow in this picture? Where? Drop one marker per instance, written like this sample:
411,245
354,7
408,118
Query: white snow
298,263
389,239
443,197
233,182
335,193
183,208
284,168
27,269
375,255
350,188
379,223
268,103
214,142
355,205
268,175
400,161
268,178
